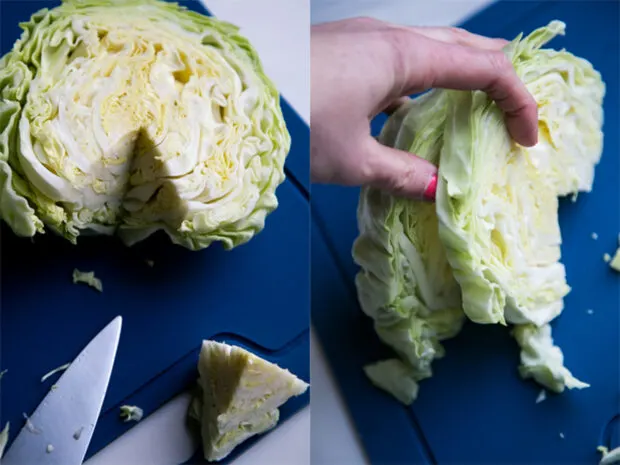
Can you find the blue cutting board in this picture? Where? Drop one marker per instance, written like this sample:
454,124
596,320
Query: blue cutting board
476,409
255,296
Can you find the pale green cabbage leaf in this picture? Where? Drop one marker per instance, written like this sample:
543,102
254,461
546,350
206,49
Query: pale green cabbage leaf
542,360
395,377
133,116
489,249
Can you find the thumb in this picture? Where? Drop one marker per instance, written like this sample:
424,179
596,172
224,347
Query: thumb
400,173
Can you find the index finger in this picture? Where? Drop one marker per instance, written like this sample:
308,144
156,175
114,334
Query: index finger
461,67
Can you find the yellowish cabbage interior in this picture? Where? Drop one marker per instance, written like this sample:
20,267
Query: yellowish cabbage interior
136,108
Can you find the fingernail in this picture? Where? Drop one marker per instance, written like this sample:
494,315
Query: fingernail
431,189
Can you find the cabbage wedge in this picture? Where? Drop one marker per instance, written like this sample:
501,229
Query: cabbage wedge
238,396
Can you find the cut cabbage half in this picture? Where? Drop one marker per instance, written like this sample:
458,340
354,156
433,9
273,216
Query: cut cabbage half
489,249
133,116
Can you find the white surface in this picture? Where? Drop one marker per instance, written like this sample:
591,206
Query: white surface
333,439
279,30
408,12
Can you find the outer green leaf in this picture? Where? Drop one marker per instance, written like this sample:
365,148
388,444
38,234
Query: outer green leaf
405,283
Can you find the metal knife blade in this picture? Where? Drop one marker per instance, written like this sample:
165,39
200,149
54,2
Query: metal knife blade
71,410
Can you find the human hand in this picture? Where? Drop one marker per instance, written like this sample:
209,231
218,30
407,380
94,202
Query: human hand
361,67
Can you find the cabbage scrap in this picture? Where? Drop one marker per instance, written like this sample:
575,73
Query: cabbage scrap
395,377
489,249
54,371
88,278
239,397
133,116
131,413
542,360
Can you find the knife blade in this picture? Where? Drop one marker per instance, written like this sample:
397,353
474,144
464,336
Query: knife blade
61,427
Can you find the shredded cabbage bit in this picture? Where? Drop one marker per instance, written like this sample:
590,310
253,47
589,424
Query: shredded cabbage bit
489,248
238,397
131,413
54,371
88,278
134,116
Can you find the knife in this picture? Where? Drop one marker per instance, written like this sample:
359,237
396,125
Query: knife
60,429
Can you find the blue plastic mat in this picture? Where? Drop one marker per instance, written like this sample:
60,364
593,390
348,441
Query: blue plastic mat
256,296
476,409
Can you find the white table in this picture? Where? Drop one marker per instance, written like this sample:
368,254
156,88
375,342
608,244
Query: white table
333,438
279,29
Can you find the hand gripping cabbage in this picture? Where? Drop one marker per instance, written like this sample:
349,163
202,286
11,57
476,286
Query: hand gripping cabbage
135,116
489,249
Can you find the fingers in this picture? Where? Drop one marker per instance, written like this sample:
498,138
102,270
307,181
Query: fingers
470,69
398,172
458,36
467,68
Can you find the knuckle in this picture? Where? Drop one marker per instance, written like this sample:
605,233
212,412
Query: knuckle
398,40
365,21
407,178
366,167
500,63
457,32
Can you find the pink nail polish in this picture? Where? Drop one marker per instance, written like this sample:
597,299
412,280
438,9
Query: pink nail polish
431,189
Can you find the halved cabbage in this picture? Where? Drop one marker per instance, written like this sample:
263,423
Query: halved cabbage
490,246
133,116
